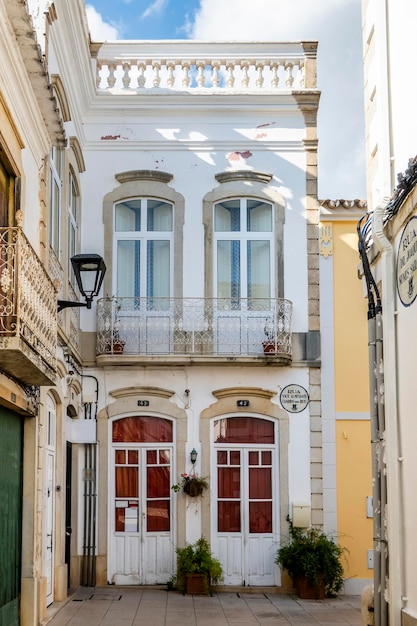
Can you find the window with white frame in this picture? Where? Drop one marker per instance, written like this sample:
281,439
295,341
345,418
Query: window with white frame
143,247
55,200
73,210
243,252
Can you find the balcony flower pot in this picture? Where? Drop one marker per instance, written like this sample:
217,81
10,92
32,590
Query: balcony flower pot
269,347
313,560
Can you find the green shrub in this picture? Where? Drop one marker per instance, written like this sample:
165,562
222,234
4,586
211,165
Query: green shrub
311,553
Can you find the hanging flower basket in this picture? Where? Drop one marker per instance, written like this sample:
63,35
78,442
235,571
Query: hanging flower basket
192,485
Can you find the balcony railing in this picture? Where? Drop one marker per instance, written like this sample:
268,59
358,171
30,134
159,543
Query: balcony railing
28,312
197,327
187,66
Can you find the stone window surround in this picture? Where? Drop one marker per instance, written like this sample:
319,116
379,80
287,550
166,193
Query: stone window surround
149,184
244,184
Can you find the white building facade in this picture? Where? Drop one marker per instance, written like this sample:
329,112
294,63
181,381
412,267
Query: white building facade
199,191
390,231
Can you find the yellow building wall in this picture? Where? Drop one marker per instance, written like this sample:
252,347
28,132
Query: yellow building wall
350,323
353,448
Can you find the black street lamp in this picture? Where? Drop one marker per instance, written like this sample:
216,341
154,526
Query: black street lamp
89,270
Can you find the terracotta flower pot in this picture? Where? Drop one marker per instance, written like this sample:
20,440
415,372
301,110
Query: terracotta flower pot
196,584
306,592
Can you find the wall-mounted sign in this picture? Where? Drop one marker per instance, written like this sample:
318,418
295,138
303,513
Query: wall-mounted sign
294,398
242,402
407,263
143,402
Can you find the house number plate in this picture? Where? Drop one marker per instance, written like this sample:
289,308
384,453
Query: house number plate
242,403
143,402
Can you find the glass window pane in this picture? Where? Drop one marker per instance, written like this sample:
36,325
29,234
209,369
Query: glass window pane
142,429
259,269
266,457
158,269
253,458
243,430
151,457
128,268
228,517
120,457
159,216
260,517
127,216
164,456
158,482
227,216
157,515
228,269
234,457
126,482
132,457
221,457
259,216
228,482
260,483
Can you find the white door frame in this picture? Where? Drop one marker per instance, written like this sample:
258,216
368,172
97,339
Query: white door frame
49,536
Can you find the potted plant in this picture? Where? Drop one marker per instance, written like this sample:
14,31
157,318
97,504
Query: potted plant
270,343
116,345
191,484
313,560
197,568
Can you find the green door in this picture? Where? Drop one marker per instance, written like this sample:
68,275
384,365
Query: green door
11,452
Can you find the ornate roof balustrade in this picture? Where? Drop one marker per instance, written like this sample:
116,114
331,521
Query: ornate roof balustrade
192,66
28,312
199,328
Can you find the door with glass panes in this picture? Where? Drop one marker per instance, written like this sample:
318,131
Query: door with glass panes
245,515
141,534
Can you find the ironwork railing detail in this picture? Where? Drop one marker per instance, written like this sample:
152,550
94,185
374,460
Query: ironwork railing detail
194,326
28,307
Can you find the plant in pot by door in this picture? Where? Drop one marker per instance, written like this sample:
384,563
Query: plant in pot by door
197,568
313,560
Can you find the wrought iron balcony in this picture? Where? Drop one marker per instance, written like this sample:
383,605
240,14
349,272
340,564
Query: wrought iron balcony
201,328
28,312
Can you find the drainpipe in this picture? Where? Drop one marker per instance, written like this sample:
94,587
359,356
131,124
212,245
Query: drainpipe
392,447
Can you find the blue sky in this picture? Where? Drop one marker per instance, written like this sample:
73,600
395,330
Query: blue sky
336,24
145,19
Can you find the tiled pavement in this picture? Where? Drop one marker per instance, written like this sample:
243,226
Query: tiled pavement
127,606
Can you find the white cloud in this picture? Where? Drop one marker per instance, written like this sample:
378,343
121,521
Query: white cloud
100,30
336,24
155,8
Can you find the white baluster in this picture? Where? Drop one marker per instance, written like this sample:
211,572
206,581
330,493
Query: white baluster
156,66
141,75
301,68
244,65
111,80
259,68
99,68
215,78
200,73
290,79
171,75
275,78
186,77
126,77
230,66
